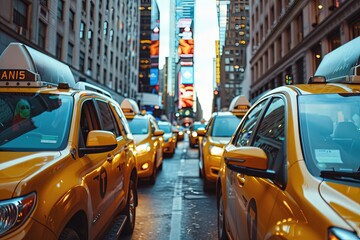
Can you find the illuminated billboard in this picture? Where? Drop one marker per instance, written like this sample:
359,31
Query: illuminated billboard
186,48
186,95
187,75
154,73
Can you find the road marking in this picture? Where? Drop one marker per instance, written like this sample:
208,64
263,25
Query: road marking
175,227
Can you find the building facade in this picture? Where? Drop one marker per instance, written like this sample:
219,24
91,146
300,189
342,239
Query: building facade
97,39
233,57
289,38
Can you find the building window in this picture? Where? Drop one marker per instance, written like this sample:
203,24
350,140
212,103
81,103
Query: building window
334,39
60,10
42,35
59,41
90,38
20,16
82,30
70,53
105,28
82,61
71,19
111,35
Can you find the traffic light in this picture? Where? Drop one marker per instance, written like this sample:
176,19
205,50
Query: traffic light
288,79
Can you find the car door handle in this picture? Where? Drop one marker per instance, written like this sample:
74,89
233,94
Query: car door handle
240,178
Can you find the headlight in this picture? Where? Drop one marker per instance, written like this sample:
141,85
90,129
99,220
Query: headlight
216,151
338,233
16,211
194,134
143,148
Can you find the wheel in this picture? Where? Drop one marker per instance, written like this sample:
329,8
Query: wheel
221,219
130,209
153,175
69,234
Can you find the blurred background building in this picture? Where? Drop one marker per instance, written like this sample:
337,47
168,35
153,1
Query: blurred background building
99,40
289,38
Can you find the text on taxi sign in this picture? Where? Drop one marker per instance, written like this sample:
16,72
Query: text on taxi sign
16,75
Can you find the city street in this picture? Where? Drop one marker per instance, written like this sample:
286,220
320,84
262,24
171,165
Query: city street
176,207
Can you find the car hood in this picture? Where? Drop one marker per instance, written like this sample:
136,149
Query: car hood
220,140
139,138
15,166
345,200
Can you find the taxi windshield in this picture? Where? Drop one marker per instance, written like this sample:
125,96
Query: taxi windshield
34,122
329,131
225,126
138,126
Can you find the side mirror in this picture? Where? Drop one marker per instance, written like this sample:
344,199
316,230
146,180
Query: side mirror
98,141
251,161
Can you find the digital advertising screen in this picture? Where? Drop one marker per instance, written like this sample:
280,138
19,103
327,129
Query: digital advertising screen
187,75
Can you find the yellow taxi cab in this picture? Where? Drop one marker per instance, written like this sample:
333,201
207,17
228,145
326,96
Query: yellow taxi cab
215,136
170,137
67,159
193,136
181,133
291,170
148,139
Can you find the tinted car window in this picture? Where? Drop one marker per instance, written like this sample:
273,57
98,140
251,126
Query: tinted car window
107,119
138,126
225,126
42,119
270,133
329,130
248,125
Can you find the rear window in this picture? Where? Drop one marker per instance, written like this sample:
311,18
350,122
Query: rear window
138,126
225,126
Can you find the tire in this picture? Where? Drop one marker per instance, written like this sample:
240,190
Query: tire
153,175
130,209
221,219
69,234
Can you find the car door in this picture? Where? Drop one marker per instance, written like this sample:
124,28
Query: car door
97,175
118,157
255,197
237,206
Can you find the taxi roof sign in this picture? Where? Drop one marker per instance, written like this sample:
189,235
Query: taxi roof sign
340,65
239,105
23,66
129,107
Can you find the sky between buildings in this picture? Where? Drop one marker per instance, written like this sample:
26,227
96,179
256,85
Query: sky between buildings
205,34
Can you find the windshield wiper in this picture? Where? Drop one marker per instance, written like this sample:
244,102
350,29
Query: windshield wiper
340,174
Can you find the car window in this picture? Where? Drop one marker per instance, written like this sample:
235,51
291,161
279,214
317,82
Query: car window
243,137
124,124
139,126
107,118
42,119
88,121
165,127
225,126
329,130
270,133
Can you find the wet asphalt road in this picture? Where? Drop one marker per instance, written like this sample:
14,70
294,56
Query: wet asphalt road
176,207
